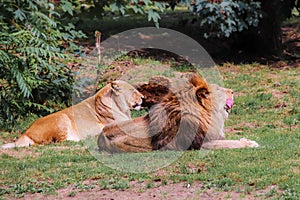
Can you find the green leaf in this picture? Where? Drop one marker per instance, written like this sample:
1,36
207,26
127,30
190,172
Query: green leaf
147,2
25,90
19,14
137,9
159,5
114,7
67,7
153,15
122,9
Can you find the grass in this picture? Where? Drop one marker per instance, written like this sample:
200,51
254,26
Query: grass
266,110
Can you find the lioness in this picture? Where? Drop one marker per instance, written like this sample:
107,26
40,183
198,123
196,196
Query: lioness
173,124
87,118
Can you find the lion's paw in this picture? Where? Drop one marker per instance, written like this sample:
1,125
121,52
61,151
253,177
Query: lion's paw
8,146
249,143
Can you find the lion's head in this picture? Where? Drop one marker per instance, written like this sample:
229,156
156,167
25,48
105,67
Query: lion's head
222,102
181,120
126,95
116,101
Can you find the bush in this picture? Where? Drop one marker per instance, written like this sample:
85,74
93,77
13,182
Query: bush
227,17
33,74
97,9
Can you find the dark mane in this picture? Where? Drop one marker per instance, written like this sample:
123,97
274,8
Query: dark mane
180,121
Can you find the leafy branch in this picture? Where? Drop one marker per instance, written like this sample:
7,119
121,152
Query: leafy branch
33,73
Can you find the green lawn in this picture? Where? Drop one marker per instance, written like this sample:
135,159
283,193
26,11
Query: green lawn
266,110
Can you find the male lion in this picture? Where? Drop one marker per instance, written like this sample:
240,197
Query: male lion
87,118
177,121
222,101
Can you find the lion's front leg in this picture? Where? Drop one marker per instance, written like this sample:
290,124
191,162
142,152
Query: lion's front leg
229,144
122,143
132,144
127,136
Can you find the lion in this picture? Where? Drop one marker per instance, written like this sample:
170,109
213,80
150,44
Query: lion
179,121
191,119
87,118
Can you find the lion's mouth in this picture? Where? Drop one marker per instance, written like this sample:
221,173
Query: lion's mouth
227,109
229,104
137,106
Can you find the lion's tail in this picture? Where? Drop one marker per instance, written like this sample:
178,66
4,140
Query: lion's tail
23,141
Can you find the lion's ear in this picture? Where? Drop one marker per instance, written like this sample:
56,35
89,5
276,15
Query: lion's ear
200,86
202,93
198,81
115,87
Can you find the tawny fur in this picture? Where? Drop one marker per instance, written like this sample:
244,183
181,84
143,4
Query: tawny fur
159,86
179,122
152,132
87,118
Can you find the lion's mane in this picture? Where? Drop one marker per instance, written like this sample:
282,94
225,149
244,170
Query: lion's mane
179,121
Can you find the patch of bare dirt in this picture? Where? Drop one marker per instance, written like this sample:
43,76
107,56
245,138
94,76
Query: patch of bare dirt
291,41
247,124
281,105
232,130
20,153
31,151
159,54
237,94
278,94
138,191
118,68
237,128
